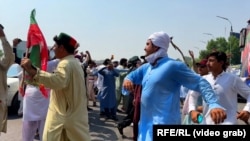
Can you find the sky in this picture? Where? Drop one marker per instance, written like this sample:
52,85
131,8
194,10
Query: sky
121,27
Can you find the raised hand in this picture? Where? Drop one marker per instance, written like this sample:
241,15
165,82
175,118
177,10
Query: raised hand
191,53
112,57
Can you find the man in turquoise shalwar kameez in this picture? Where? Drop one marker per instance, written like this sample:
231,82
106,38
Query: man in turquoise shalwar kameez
161,79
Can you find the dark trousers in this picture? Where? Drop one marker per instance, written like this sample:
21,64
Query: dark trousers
130,118
126,121
110,112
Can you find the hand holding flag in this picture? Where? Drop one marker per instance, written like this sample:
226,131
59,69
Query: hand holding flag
39,50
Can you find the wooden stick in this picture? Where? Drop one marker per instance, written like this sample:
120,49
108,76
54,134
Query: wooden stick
176,47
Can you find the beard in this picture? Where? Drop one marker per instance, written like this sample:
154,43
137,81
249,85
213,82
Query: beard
152,57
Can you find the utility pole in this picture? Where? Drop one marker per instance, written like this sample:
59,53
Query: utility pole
231,32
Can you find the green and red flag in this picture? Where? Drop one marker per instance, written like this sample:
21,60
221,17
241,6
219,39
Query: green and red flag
38,48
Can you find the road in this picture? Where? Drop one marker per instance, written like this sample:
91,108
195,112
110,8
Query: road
100,130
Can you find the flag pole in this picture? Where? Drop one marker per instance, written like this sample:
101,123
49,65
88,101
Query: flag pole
22,85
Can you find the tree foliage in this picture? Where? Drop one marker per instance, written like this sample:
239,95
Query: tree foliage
1,53
230,47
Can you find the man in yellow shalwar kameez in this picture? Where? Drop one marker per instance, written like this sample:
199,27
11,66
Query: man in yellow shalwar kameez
67,118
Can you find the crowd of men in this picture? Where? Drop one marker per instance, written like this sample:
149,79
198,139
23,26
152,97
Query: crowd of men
150,88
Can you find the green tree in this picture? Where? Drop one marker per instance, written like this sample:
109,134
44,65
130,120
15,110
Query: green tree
203,54
235,51
230,47
1,53
190,61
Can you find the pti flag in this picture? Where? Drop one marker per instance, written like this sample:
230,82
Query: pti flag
38,48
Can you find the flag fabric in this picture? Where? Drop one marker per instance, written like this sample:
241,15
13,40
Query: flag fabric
38,48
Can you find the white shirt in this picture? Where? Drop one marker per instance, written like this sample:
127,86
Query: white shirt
183,91
35,105
190,103
227,86
99,81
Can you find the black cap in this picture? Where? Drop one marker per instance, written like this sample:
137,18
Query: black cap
133,59
142,57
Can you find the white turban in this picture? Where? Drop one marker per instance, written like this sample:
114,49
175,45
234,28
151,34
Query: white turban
160,39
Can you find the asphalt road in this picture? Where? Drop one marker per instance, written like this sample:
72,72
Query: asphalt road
100,129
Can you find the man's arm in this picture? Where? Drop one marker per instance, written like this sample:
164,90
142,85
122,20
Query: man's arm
88,56
56,80
193,61
8,56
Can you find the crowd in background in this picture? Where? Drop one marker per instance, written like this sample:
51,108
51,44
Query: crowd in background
150,89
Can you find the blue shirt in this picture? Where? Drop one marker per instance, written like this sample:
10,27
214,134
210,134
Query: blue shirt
160,99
